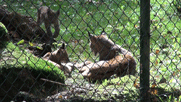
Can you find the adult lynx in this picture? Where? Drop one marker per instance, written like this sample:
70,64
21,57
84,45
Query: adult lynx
113,59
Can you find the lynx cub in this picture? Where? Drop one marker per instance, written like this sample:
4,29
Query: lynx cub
60,59
59,56
48,16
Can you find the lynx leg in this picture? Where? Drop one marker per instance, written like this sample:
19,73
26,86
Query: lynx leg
57,29
48,29
40,19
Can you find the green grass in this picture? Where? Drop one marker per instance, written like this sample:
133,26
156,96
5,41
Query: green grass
120,19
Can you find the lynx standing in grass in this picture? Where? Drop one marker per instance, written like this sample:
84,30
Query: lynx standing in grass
48,17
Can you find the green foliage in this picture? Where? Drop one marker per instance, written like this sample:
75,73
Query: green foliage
21,42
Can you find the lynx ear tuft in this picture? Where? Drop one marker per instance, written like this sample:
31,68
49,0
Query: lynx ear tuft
63,46
49,10
58,13
90,35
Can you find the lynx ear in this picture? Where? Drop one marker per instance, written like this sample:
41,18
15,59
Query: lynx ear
90,35
115,47
49,10
63,46
58,13
103,32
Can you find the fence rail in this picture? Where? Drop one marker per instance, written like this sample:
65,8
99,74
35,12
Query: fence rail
144,50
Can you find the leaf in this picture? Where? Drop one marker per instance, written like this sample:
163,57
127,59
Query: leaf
39,48
173,74
21,42
60,96
117,83
136,84
156,62
59,44
75,41
67,97
154,91
135,26
31,44
153,85
179,55
157,51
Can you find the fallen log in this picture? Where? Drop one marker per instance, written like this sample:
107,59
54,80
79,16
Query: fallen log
22,26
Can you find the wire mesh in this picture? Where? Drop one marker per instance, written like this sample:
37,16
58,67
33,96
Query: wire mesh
95,57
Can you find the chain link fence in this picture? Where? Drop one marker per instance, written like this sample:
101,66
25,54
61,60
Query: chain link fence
88,50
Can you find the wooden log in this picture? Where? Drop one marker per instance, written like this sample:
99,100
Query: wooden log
24,26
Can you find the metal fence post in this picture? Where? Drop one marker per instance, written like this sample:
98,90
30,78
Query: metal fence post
145,50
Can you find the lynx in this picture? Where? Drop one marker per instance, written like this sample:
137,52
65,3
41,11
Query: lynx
48,16
113,59
59,58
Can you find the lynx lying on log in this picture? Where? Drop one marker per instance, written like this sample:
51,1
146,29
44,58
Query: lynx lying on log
113,59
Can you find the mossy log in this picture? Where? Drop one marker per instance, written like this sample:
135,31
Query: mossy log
21,71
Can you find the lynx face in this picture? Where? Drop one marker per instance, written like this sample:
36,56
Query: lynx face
59,56
102,45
